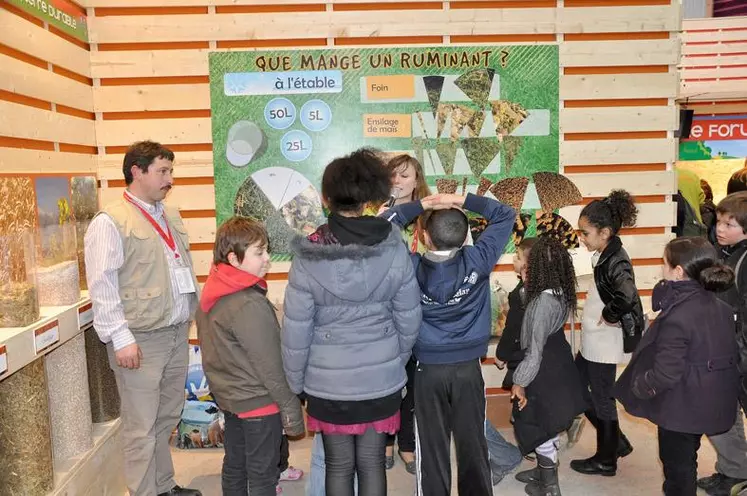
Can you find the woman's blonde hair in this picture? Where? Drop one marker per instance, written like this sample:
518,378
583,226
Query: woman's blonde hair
400,162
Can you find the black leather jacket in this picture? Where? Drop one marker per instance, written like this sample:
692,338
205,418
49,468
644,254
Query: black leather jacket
615,282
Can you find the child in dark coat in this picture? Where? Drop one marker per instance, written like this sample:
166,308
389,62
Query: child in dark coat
547,386
683,376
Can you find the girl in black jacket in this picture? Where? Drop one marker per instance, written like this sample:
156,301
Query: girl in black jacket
611,326
683,377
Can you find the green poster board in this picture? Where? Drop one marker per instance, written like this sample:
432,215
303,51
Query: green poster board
469,114
58,13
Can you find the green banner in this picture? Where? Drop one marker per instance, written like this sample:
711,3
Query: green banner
474,116
58,13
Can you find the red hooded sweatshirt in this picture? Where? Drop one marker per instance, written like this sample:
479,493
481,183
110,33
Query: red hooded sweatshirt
224,280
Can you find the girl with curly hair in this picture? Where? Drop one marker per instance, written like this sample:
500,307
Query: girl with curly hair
547,390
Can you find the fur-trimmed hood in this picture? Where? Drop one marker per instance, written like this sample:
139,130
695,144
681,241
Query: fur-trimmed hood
350,272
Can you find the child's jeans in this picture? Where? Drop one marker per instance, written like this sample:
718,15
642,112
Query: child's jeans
315,484
252,457
504,456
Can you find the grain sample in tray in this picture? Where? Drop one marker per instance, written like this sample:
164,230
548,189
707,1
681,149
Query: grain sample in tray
511,191
555,191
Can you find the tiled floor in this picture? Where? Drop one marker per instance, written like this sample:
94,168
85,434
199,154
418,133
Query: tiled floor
639,474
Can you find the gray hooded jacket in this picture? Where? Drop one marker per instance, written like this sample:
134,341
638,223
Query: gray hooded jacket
351,317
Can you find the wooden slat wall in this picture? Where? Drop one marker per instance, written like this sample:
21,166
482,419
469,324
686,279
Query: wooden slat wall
714,65
47,124
618,86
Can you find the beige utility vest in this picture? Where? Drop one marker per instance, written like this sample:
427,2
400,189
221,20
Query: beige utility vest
144,279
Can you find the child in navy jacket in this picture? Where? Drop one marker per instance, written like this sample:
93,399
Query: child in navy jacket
455,296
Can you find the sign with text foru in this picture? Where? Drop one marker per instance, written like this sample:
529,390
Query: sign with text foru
61,14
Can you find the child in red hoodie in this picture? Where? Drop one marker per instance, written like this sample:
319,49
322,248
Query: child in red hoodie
240,339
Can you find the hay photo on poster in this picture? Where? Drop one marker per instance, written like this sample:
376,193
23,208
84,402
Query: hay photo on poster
481,119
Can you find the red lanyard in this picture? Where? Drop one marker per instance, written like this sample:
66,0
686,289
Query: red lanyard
167,237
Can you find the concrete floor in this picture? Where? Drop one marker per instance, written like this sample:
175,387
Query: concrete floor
638,474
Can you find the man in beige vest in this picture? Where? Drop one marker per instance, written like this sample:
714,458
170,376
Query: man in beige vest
144,295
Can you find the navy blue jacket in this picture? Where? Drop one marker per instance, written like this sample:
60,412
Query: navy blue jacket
455,293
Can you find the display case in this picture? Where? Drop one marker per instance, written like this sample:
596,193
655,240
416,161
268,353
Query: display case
19,299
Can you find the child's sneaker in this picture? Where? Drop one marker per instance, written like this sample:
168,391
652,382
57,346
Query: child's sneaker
291,474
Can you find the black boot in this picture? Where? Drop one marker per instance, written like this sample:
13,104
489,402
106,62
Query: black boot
527,476
604,462
547,485
624,448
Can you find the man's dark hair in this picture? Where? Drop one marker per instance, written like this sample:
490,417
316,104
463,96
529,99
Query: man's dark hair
735,205
352,181
447,228
142,154
236,235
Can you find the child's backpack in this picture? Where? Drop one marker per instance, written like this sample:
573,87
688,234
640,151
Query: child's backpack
687,221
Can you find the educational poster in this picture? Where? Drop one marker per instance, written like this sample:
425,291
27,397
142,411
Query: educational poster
481,119
717,148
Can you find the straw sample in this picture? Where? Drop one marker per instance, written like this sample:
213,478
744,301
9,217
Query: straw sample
446,151
102,386
25,445
480,153
507,116
476,85
69,406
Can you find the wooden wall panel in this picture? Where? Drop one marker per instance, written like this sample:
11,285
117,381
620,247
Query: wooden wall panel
26,37
151,97
22,121
618,151
619,53
615,86
299,25
46,100
714,60
172,131
617,119
29,80
17,160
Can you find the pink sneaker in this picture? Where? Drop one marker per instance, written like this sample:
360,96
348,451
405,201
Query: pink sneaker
278,490
291,474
